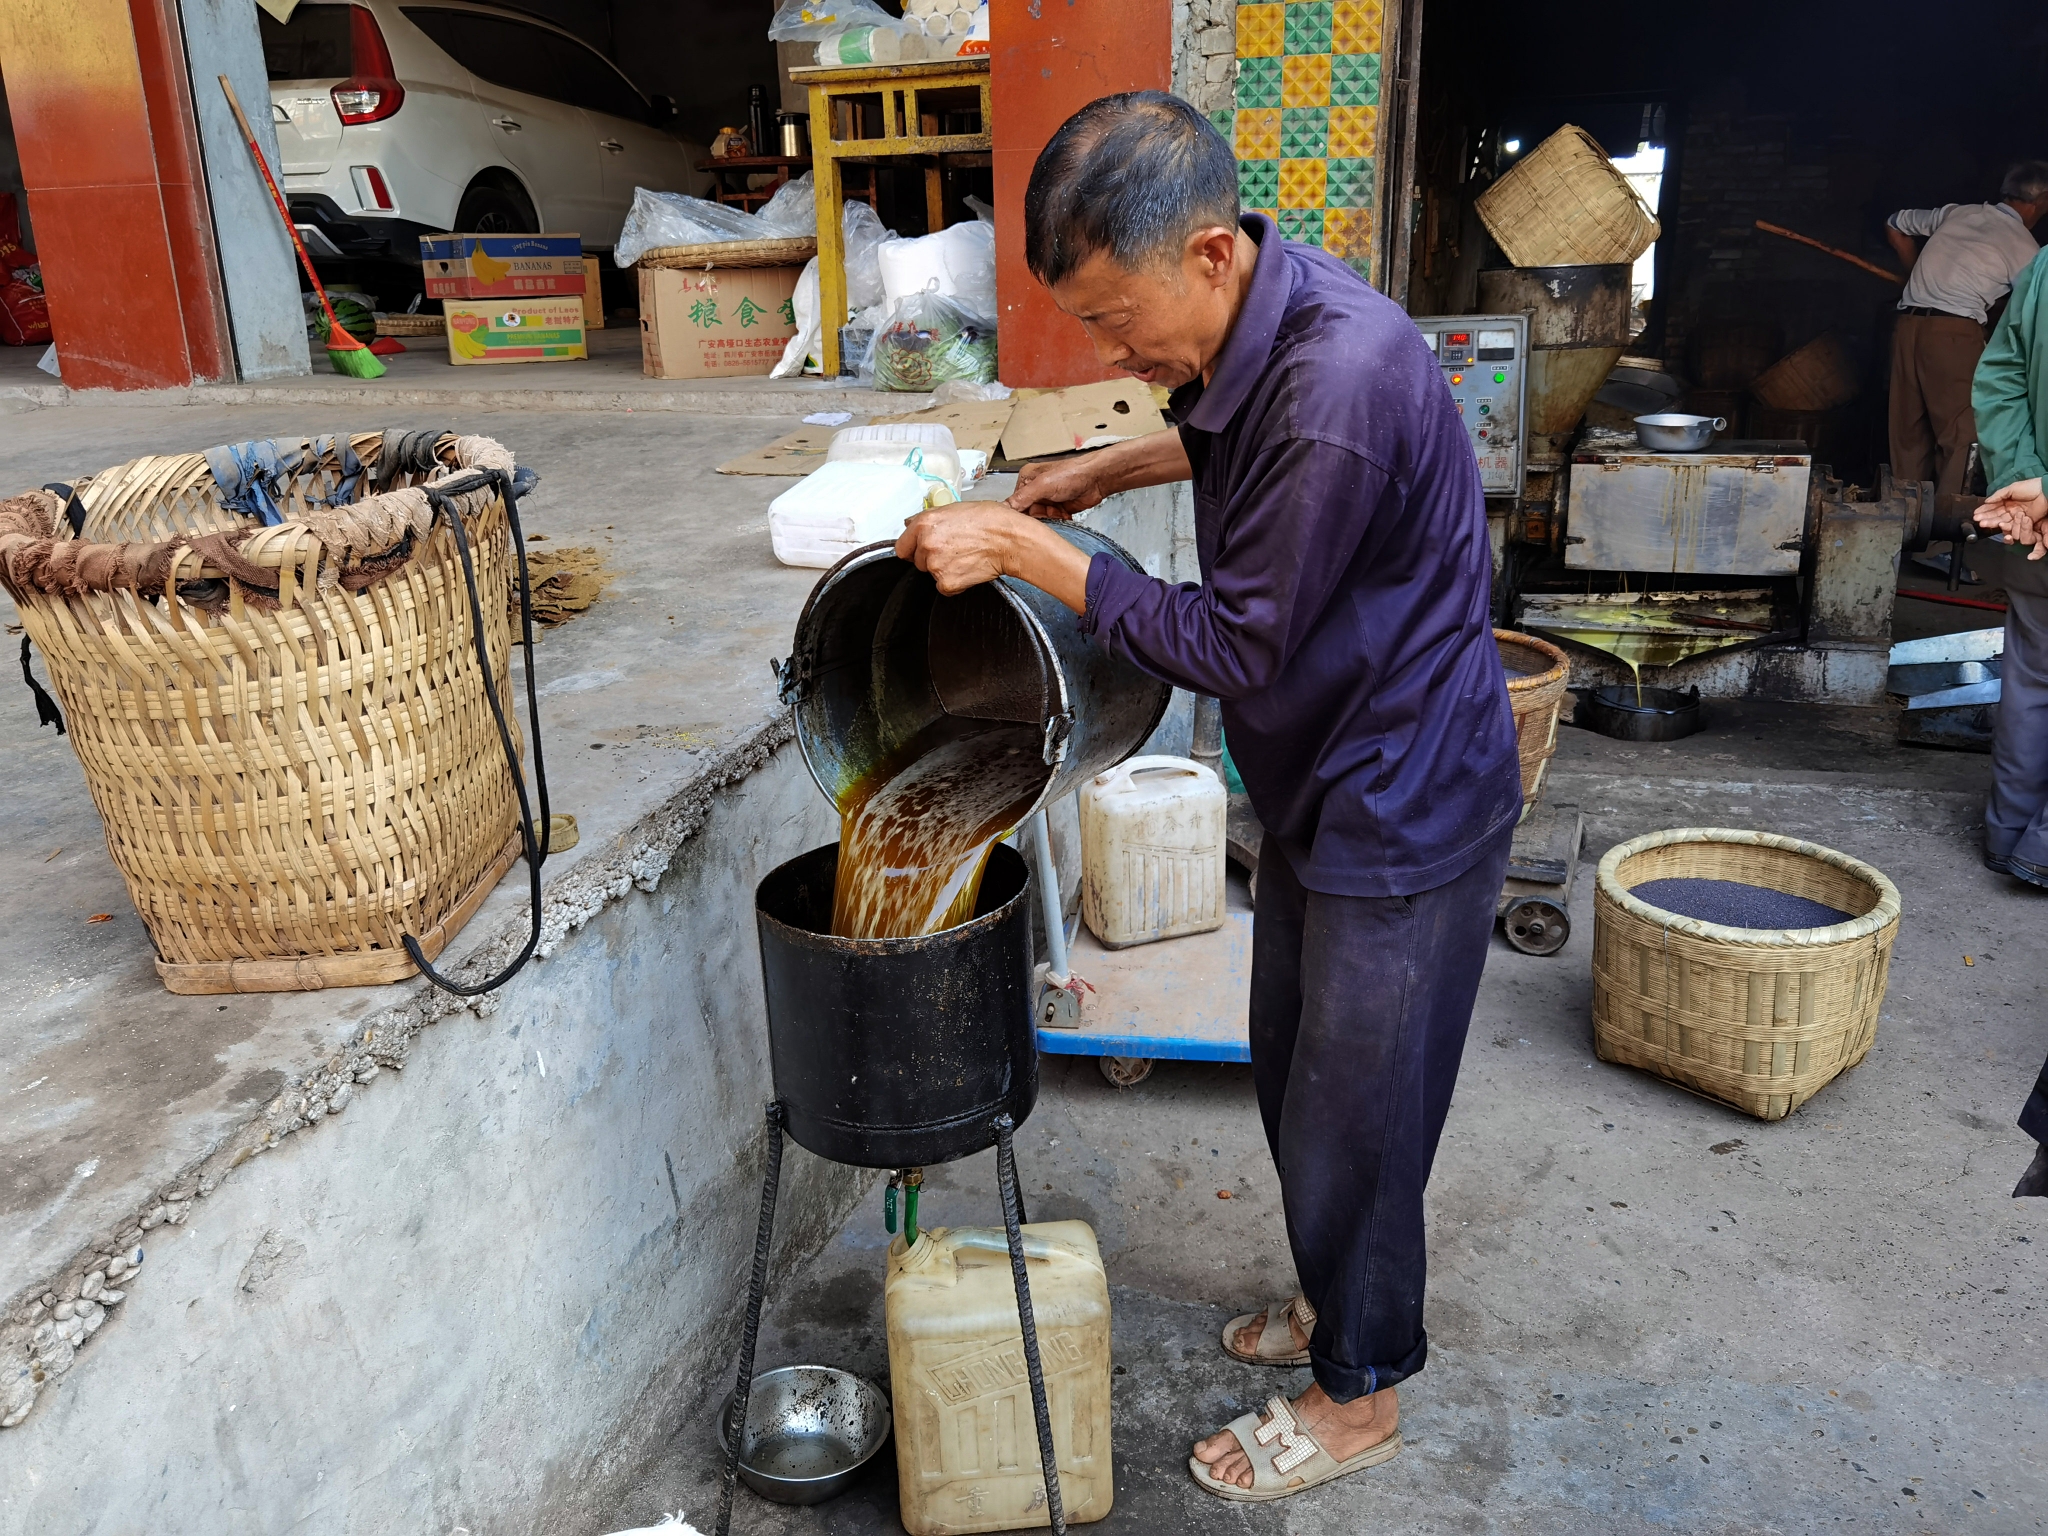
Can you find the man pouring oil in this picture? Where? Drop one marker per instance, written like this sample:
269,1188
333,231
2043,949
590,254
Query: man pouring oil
1343,620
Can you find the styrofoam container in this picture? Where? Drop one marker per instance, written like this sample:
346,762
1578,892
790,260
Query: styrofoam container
1152,851
931,444
837,508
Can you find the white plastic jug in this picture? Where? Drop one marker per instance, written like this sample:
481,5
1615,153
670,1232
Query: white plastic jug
837,508
966,1441
1152,850
926,447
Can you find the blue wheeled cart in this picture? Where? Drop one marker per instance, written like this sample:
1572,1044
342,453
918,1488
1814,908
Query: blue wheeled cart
1180,999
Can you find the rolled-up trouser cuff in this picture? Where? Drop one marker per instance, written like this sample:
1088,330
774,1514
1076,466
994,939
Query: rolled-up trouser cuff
2034,1117
1345,1384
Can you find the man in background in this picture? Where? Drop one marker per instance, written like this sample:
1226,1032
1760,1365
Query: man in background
2010,397
1973,252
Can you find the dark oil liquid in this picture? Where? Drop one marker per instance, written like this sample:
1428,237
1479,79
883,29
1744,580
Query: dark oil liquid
915,832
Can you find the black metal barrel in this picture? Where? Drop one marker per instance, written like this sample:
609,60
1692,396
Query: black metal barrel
897,1053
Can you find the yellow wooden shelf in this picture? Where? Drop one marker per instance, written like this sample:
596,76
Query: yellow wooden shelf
899,88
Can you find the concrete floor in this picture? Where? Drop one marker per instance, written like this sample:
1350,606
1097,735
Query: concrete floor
1648,1312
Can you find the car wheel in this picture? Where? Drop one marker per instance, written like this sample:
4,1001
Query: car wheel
491,209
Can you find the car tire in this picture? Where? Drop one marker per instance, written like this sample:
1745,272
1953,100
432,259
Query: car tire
492,208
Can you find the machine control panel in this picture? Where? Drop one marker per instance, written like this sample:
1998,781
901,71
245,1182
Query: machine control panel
1485,362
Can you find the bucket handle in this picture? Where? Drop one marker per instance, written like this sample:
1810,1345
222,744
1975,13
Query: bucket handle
1119,777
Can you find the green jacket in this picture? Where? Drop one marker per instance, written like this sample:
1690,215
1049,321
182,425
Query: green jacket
2010,391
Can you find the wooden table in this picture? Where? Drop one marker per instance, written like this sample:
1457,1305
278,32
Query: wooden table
908,104
746,167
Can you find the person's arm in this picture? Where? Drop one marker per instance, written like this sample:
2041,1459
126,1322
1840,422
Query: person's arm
1999,392
1062,487
1903,245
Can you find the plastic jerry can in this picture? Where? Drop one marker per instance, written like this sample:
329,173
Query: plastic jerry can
966,1441
1152,851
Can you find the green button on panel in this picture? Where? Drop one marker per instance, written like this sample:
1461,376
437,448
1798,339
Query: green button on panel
1500,378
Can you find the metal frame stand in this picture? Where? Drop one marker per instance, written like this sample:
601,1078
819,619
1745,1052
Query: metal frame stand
1013,1225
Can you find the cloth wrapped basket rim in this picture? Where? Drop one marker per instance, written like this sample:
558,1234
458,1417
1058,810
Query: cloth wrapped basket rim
334,782
1874,921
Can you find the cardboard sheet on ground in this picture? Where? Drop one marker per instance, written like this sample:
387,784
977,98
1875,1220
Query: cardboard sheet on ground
974,423
797,454
1083,416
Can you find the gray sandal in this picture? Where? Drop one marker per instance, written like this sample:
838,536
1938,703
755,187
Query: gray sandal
1285,1458
1276,1340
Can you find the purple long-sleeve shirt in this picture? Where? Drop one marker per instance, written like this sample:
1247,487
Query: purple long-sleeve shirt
1343,613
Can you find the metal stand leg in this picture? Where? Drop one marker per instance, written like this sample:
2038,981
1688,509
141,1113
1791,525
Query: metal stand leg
736,1415
1006,1182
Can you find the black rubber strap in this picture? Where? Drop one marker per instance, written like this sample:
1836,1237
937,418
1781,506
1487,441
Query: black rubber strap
441,498
47,712
74,509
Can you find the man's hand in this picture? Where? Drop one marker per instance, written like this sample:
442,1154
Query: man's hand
2019,512
1057,490
970,542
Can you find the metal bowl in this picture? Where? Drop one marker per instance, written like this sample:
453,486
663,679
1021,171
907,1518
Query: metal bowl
1673,432
809,1431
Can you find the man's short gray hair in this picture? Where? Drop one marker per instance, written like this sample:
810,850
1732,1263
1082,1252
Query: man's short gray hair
1131,175
2026,182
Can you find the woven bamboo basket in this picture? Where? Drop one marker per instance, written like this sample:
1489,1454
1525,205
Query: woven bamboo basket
1817,377
732,253
1537,672
284,728
412,325
1565,205
1760,1019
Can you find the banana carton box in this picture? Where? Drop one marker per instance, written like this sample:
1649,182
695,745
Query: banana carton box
548,330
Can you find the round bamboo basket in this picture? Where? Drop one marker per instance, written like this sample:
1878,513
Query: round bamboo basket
1565,205
412,325
284,728
732,253
1817,377
1537,672
1760,1019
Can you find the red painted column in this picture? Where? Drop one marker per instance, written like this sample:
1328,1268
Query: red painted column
1048,59
109,153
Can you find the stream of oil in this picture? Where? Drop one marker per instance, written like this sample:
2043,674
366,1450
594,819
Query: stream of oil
916,830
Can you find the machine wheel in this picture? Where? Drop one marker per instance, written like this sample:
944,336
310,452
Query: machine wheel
1537,926
1125,1071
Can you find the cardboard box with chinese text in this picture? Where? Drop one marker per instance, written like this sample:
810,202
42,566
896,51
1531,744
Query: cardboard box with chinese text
547,330
729,322
501,266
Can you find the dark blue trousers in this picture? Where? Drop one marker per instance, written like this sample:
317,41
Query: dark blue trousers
2033,1114
1359,1008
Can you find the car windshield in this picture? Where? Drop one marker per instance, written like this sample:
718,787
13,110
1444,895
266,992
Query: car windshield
313,45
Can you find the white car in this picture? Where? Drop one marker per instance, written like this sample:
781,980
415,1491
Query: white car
395,119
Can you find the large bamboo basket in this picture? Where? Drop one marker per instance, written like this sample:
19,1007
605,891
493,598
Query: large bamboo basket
1817,377
1758,1019
1565,205
284,728
732,253
1537,673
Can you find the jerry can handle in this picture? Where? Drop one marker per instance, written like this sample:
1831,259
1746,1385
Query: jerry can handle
995,1242
1119,777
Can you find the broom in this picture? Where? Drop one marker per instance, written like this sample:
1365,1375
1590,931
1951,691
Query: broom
348,355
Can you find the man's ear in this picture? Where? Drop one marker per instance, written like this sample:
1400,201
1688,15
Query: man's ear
1213,253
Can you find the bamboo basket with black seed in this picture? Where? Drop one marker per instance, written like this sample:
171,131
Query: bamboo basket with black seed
284,728
732,254
1565,205
1537,672
1760,1019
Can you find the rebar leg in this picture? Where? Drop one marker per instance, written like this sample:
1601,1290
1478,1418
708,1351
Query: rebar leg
736,1415
1006,1182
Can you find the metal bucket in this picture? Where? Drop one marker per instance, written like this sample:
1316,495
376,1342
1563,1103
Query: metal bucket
898,1053
879,655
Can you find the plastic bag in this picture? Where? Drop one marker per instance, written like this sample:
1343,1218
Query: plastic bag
863,237
671,218
806,21
930,339
959,262
793,210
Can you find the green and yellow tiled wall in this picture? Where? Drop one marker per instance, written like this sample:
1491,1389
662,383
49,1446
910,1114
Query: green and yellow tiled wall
1306,123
